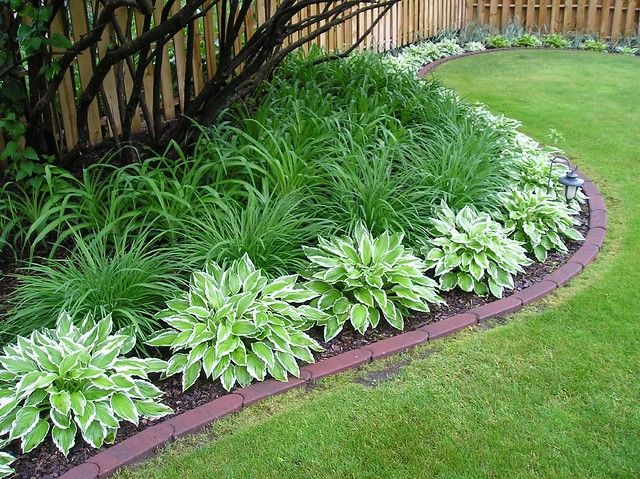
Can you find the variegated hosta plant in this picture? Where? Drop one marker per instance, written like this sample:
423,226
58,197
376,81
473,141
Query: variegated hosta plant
237,325
74,378
361,279
540,221
473,252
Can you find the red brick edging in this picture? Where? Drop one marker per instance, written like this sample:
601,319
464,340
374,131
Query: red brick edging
105,463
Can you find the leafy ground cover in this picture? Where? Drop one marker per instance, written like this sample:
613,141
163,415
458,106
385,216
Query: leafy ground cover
553,393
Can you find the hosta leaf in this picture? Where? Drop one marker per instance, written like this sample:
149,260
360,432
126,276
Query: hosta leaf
209,360
256,367
288,361
242,376
277,372
124,407
364,296
61,402
64,439
176,364
302,353
147,390
190,375
333,327
495,288
105,415
540,253
151,409
228,378
26,419
244,328
221,367
163,338
465,281
448,281
264,352
359,317
94,434
35,436
280,284
239,356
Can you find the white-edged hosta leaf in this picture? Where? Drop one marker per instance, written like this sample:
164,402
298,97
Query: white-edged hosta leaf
64,439
151,409
124,408
34,437
26,419
190,375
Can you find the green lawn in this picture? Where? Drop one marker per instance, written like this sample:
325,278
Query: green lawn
554,393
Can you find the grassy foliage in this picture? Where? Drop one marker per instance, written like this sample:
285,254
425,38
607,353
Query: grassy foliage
129,281
551,394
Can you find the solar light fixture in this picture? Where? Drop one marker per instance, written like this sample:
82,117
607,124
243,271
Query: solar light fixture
570,181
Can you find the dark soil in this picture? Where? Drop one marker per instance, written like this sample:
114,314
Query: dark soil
47,462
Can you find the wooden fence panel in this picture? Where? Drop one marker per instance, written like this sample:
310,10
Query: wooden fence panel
609,19
405,23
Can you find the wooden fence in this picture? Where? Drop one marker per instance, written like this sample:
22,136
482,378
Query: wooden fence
408,21
609,19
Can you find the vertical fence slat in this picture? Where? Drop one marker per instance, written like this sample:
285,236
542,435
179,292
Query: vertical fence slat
629,23
605,22
85,66
581,15
592,16
67,97
180,48
531,12
568,21
616,24
165,82
147,79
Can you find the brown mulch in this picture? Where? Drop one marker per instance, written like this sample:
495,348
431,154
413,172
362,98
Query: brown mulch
47,462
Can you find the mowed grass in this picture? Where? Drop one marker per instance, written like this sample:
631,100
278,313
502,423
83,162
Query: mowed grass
553,393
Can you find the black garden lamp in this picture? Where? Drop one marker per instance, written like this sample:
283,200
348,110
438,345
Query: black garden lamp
570,181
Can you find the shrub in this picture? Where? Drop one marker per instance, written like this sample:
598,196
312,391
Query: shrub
527,40
236,325
498,41
474,47
594,45
555,40
74,378
539,221
130,283
473,252
361,279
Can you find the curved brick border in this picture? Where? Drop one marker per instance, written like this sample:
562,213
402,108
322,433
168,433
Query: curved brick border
139,446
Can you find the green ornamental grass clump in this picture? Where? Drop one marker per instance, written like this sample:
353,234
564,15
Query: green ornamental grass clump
130,281
361,279
236,325
472,251
74,379
540,221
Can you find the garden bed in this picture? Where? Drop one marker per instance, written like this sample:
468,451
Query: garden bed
349,218
48,463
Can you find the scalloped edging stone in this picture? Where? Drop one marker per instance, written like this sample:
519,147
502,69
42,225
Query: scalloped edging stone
137,447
